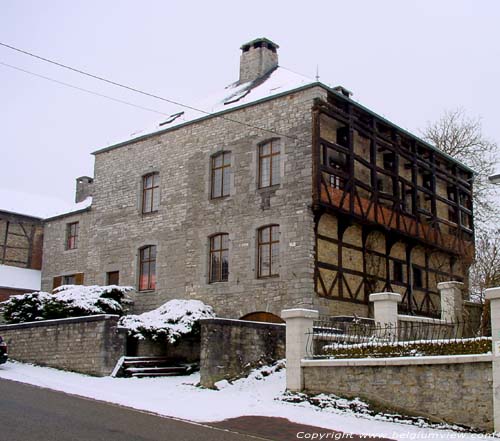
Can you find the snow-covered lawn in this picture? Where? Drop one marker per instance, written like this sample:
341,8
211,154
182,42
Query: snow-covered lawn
179,397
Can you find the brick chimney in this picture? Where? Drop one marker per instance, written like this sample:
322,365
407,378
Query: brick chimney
258,57
84,188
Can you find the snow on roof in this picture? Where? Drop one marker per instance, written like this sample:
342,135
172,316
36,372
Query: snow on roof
279,81
20,278
35,205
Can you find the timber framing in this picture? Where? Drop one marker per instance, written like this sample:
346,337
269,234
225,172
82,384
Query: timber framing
375,176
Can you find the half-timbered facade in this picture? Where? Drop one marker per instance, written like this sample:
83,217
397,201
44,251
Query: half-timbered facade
21,239
391,212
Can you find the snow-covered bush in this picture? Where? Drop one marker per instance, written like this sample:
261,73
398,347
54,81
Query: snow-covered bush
171,321
66,301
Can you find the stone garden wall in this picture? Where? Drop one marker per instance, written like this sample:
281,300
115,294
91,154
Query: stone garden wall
90,345
454,389
231,348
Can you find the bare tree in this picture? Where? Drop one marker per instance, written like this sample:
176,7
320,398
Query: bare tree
461,137
485,270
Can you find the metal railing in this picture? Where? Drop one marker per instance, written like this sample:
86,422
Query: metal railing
357,338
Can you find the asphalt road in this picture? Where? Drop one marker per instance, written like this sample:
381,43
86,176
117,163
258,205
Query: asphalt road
31,413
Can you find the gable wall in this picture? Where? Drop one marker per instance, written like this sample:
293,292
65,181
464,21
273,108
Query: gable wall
187,217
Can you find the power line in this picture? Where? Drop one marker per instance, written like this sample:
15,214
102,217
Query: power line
151,95
82,89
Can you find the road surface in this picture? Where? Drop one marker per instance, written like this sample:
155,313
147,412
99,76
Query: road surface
31,413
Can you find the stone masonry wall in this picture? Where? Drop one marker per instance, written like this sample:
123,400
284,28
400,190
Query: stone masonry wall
454,392
58,261
90,345
114,230
231,348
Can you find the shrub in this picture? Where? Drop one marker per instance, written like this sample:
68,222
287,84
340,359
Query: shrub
479,345
173,320
66,301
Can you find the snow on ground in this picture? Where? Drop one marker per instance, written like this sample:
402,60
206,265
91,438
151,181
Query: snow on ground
179,397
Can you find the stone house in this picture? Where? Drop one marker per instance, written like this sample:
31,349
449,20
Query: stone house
281,192
21,239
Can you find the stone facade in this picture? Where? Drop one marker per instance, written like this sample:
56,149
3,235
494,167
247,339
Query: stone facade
114,229
452,389
90,345
231,348
59,260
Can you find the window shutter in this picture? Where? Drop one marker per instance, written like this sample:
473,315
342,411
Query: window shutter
57,282
79,279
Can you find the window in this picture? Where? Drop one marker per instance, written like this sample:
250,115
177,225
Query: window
269,164
147,268
221,175
72,236
398,272
150,193
69,279
219,258
417,278
113,278
268,244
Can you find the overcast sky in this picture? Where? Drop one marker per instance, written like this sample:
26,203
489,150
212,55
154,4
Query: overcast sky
406,60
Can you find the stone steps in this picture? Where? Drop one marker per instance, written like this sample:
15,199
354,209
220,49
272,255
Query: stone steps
154,367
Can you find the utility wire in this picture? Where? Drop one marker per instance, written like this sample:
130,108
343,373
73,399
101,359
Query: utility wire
82,89
133,89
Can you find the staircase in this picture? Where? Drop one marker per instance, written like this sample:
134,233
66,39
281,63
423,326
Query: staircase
140,367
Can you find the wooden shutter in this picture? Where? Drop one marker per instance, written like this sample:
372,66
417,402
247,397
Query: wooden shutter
79,279
57,282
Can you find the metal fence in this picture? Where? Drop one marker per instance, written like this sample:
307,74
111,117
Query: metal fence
331,337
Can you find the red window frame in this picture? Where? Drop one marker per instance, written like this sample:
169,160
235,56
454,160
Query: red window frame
72,235
267,163
268,251
221,165
219,258
147,268
150,193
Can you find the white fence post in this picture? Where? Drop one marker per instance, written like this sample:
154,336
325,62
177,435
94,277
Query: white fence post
493,294
385,307
451,300
298,323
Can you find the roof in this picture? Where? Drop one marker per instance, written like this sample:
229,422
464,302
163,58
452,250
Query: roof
38,206
279,82
234,96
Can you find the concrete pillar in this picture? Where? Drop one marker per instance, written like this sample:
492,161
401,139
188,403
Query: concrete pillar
451,300
493,294
298,323
385,307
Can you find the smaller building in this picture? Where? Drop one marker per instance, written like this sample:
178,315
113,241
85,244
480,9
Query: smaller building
21,235
21,243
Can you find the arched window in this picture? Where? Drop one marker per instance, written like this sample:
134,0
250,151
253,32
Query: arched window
221,175
150,192
219,258
147,268
268,246
269,163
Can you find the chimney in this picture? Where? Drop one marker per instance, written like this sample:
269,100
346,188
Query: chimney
84,188
258,57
